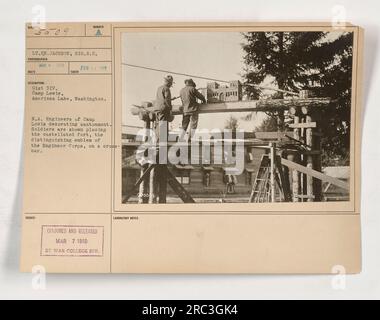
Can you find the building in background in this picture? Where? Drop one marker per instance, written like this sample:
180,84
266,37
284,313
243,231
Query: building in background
223,93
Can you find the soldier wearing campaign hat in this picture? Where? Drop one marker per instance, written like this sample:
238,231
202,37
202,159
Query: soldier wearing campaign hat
189,96
164,100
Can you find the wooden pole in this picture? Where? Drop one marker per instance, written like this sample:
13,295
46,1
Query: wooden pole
309,160
143,189
317,166
152,187
161,169
303,178
144,186
162,182
295,173
272,171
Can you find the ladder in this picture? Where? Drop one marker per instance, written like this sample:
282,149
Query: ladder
261,186
261,189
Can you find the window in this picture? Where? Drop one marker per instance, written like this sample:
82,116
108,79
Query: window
183,177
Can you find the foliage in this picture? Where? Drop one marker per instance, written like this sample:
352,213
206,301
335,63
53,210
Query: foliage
269,124
304,60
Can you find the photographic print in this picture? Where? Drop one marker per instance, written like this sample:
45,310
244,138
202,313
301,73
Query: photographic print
184,147
236,117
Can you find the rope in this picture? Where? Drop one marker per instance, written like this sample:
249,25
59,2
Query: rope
206,78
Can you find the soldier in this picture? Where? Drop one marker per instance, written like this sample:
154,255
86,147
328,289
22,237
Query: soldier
164,100
189,96
163,108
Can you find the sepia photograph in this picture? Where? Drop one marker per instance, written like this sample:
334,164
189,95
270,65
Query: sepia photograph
236,117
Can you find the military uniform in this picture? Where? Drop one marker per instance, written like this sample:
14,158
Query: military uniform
163,103
163,107
189,96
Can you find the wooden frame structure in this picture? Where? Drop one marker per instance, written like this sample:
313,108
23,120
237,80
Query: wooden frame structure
298,166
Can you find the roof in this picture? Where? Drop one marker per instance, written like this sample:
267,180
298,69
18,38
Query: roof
130,130
337,172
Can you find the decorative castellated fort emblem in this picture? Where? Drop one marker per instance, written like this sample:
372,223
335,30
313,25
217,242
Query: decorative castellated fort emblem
223,93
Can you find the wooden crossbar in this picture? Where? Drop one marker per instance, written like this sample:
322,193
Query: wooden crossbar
315,174
246,106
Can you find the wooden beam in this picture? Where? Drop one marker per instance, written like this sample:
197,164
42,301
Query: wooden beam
129,162
178,188
315,174
305,125
246,106
295,103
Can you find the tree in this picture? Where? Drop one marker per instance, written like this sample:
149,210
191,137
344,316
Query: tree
300,60
282,55
232,123
269,124
334,61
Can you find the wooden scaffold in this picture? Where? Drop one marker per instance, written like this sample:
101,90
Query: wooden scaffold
288,172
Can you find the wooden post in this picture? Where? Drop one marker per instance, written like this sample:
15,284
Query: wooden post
152,187
272,171
295,173
309,160
161,168
144,186
305,94
303,177
162,182
317,164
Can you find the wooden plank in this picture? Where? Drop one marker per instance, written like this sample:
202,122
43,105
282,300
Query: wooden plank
315,174
247,106
305,125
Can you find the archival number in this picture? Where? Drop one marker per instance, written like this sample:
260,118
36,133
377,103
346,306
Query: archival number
211,310
192,310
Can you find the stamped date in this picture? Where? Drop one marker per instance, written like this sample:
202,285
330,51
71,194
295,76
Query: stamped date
73,241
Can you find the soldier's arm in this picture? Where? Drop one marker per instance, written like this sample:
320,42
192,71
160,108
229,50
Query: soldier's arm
199,95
